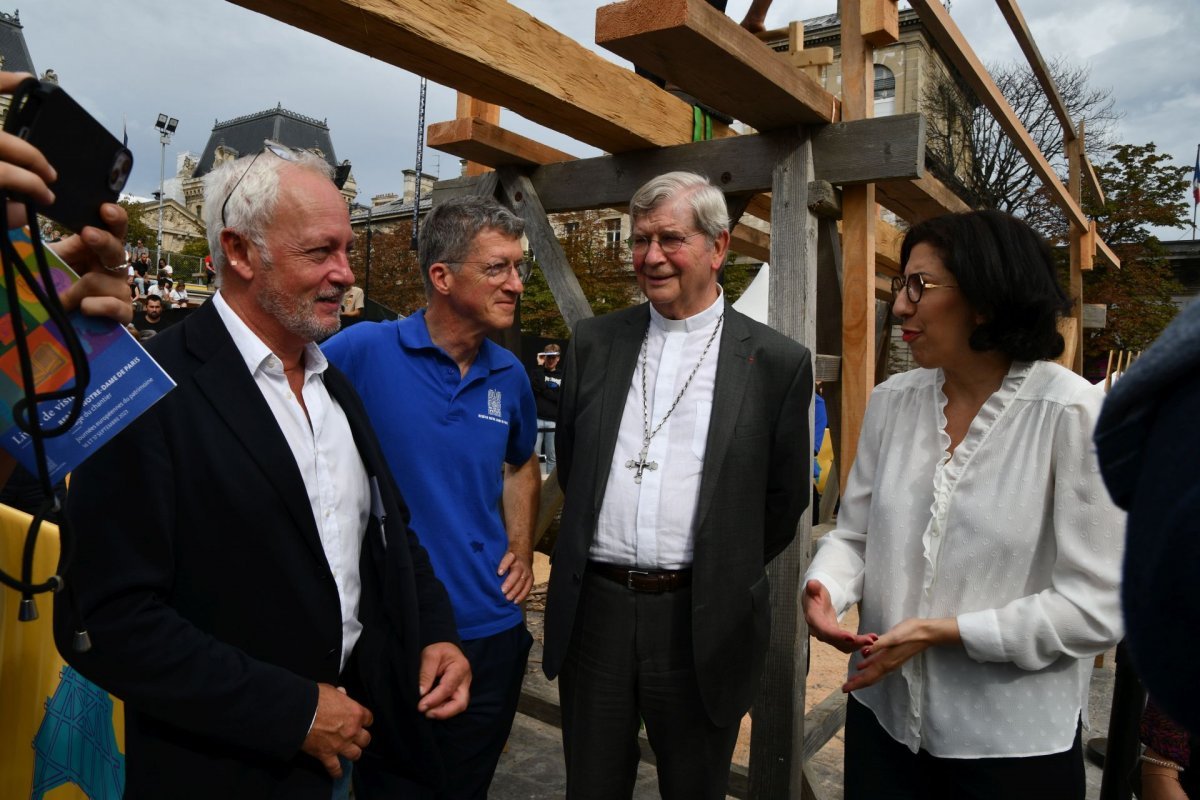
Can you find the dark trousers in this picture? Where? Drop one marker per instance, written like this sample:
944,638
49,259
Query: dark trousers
630,658
470,743
877,767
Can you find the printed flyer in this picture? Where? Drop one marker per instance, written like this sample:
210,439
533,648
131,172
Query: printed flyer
124,383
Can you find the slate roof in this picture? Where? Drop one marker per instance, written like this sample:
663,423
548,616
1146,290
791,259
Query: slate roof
396,209
246,135
827,29
12,44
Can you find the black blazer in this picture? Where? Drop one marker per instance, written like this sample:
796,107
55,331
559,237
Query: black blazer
755,485
199,572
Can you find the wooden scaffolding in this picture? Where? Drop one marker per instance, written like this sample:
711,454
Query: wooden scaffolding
815,159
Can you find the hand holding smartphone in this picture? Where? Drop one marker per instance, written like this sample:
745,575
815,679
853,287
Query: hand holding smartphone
90,165
26,172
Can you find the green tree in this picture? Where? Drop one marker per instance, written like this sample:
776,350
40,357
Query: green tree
602,268
737,276
975,156
195,247
1142,188
138,229
394,275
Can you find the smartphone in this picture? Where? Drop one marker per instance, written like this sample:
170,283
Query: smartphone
92,164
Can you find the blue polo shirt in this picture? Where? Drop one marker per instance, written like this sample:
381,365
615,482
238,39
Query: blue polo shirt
446,439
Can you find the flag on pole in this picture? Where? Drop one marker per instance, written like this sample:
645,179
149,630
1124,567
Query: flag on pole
124,131
1196,179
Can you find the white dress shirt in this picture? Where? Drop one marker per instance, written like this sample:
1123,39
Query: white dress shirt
322,443
1014,535
649,525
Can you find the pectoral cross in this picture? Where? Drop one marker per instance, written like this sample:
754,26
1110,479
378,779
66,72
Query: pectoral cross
641,463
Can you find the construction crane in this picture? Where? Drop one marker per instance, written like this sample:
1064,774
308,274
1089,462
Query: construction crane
419,165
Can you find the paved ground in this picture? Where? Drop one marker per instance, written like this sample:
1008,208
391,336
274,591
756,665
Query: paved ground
532,766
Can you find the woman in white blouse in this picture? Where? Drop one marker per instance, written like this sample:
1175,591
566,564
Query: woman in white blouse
975,533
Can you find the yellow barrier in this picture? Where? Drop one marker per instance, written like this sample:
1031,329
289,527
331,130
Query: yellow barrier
53,728
825,461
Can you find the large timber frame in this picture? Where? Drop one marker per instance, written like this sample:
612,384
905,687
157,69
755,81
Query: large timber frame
817,157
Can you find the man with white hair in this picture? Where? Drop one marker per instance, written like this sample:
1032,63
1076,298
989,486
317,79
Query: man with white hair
683,452
268,604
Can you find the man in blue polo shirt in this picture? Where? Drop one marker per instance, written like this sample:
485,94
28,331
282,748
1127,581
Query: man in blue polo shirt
457,420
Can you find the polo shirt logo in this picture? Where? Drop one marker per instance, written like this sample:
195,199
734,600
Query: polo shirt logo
495,407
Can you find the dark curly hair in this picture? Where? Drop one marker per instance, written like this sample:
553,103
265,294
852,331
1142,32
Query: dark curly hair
1006,273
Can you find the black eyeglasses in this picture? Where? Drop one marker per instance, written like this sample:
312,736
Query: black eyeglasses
915,286
281,150
498,271
640,245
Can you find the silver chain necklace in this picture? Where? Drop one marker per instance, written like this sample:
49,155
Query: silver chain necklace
640,464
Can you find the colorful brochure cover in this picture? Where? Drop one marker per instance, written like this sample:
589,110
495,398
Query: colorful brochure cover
125,381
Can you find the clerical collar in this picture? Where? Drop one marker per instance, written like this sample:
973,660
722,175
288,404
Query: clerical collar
693,323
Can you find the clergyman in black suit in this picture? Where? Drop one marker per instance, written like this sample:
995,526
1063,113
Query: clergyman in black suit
267,603
683,449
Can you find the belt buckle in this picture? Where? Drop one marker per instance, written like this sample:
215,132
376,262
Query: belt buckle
629,577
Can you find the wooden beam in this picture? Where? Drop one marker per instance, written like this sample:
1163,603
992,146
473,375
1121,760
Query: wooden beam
871,150
1076,235
844,154
1016,21
748,241
1069,328
522,198
1107,255
468,107
879,22
711,57
795,34
1091,179
858,246
483,142
1087,253
472,47
888,239
823,722
550,502
842,151
824,200
949,38
776,738
812,57
918,200
760,206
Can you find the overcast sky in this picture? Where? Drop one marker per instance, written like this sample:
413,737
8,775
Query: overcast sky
208,60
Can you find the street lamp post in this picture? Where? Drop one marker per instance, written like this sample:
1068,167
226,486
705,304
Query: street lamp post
166,129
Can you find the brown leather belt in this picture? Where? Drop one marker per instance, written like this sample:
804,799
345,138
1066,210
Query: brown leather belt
643,580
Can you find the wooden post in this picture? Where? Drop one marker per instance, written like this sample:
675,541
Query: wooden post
777,737
858,246
1074,148
829,332
519,195
468,108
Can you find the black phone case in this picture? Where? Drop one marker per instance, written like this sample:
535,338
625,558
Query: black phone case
92,164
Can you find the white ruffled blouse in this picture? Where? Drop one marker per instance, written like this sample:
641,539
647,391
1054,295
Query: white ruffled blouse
1014,534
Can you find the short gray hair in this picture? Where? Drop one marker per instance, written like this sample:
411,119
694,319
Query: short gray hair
449,230
254,181
707,201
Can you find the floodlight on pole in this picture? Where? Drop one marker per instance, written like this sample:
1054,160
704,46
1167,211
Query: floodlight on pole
166,129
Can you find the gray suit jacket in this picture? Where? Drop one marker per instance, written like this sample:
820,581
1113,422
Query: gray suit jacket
756,483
